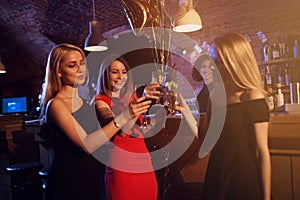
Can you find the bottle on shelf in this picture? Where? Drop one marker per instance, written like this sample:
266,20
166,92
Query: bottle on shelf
289,47
279,99
287,75
275,51
281,75
270,99
282,47
267,51
262,74
268,77
295,48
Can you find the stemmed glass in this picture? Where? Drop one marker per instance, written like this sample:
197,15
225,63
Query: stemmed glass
158,77
168,98
169,101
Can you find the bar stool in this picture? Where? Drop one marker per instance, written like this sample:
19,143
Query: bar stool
43,173
24,187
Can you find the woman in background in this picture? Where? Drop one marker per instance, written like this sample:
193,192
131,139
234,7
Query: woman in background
129,173
74,173
239,165
202,72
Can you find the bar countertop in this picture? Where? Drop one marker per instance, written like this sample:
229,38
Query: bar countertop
285,118
284,132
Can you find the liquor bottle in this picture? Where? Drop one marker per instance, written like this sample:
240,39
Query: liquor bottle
279,99
281,76
282,47
289,47
287,75
295,48
262,75
275,51
268,78
267,50
270,99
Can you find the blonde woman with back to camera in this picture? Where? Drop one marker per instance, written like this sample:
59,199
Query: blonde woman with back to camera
239,165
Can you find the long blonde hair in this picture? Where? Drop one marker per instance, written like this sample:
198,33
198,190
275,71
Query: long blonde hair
52,83
238,58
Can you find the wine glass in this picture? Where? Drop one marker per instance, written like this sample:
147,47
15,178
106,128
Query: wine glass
169,100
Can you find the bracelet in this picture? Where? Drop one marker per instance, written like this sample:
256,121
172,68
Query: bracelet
116,124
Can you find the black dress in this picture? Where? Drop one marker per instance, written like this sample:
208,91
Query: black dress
74,174
232,172
203,99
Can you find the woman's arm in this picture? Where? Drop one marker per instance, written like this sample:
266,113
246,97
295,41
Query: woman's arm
58,113
263,155
262,149
187,114
105,116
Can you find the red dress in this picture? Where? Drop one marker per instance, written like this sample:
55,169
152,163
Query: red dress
129,172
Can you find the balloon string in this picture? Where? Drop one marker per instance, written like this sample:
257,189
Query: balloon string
155,36
169,44
162,43
155,46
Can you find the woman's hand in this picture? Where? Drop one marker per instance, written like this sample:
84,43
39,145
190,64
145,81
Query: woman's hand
129,116
139,106
152,90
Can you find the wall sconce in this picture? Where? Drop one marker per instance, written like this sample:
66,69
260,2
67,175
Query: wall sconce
189,22
2,67
95,40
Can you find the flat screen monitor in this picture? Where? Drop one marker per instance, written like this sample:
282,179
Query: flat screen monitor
14,105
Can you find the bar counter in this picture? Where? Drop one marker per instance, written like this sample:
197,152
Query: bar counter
185,176
284,144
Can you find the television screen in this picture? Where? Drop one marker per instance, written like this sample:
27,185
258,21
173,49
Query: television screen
13,105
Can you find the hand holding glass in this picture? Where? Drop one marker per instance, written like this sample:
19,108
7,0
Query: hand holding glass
149,92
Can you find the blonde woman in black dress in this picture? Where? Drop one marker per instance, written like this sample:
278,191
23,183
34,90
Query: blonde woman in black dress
72,126
239,167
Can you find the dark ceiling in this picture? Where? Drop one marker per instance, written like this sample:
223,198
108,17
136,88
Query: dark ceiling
30,28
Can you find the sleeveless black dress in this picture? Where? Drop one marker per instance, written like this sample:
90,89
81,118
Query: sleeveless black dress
203,99
232,172
74,174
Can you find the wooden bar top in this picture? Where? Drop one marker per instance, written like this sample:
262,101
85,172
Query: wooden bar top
285,118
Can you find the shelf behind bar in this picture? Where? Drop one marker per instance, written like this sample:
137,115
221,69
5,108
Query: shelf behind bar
278,61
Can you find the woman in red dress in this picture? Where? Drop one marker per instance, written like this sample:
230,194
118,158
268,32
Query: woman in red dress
129,173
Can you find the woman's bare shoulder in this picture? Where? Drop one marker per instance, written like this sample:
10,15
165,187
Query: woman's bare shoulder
56,107
56,102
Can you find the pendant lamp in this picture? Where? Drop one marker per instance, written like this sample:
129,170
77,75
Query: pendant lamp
189,22
95,40
2,67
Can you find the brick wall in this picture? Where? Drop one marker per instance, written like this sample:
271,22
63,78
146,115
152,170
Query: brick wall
273,17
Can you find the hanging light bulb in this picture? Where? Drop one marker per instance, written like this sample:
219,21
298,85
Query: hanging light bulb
2,67
95,40
189,22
